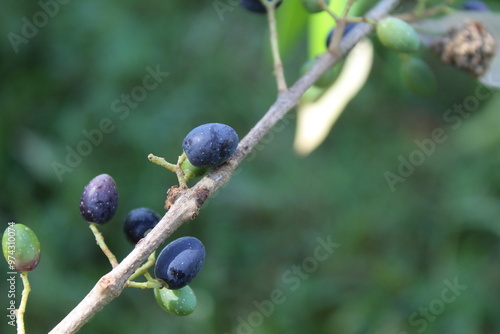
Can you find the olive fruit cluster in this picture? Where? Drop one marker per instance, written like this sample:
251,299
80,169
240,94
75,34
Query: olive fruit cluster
178,263
99,203
176,266
20,247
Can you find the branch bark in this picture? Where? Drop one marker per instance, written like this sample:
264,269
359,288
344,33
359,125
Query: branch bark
186,207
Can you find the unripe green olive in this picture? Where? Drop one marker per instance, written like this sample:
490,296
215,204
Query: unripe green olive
180,302
313,6
21,248
418,76
397,35
327,79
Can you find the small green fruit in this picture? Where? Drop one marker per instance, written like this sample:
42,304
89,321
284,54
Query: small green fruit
418,76
397,35
327,79
20,247
180,302
192,171
313,6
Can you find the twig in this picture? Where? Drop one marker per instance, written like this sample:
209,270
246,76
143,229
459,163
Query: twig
144,268
171,167
339,31
145,285
429,12
162,162
327,9
273,38
100,241
22,305
186,207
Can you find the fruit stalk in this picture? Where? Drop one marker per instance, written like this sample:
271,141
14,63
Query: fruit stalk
186,206
143,270
24,302
422,14
273,38
341,23
102,244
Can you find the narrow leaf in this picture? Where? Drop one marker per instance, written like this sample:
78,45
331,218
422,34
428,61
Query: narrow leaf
316,119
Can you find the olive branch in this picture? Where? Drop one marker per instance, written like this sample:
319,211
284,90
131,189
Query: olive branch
190,200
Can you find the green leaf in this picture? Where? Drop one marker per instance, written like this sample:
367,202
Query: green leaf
292,20
315,119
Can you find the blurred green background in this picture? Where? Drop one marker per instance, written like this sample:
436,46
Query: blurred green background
398,250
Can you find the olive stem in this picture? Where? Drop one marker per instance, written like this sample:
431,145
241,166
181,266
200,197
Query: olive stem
328,10
150,278
162,162
181,176
176,168
424,13
24,302
361,19
145,285
142,270
151,283
100,241
273,38
339,32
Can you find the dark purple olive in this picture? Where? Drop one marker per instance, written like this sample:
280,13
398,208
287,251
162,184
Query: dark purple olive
179,262
99,199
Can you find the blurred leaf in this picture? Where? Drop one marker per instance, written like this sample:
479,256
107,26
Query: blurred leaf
292,20
315,120
429,29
